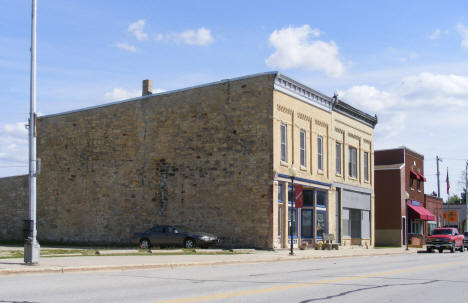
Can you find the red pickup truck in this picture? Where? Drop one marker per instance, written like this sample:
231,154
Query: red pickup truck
445,238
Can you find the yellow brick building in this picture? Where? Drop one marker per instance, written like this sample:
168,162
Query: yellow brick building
330,144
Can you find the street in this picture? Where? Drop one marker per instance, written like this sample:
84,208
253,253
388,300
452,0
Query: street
399,278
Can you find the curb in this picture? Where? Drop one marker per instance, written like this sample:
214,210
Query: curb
71,269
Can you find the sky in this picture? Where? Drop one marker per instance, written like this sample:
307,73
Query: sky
405,61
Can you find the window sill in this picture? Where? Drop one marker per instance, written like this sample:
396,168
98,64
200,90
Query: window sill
353,178
339,175
304,168
411,188
320,172
285,164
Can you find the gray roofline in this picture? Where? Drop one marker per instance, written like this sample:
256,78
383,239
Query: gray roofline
159,94
281,83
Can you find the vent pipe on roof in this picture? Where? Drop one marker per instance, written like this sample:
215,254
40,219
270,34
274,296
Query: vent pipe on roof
147,87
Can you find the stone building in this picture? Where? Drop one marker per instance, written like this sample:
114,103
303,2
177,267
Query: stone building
213,157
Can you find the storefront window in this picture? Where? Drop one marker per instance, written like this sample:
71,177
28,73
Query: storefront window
307,223
308,198
292,219
279,221
416,227
321,223
321,198
280,193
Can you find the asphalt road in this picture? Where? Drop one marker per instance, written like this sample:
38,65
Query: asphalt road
399,278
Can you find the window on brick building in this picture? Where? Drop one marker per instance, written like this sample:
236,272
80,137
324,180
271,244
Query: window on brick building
352,162
284,143
303,147
366,166
320,152
338,158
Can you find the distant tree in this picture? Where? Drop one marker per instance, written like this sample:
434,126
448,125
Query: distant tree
463,197
462,185
453,199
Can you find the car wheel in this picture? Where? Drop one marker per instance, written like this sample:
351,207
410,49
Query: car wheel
462,248
189,243
452,248
441,250
145,244
429,249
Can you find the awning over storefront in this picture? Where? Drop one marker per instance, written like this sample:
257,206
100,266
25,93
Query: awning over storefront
421,213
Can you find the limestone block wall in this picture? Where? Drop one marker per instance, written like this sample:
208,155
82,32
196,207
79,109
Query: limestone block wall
14,195
200,157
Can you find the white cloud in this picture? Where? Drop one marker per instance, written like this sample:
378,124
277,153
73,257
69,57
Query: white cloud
435,89
424,92
126,47
13,144
136,28
435,35
201,36
159,37
118,94
121,94
368,98
463,31
294,49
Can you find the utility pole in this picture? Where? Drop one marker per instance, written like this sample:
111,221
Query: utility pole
466,194
438,175
31,246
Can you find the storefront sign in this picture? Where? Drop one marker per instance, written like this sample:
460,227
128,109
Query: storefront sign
298,196
451,216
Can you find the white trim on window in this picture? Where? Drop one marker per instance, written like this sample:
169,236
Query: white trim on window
284,142
302,147
319,152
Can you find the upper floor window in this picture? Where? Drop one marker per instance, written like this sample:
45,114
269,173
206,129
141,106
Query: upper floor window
284,143
366,166
338,157
352,162
418,184
411,182
320,152
303,147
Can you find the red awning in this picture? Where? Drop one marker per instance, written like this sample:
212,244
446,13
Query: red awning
422,213
422,177
415,174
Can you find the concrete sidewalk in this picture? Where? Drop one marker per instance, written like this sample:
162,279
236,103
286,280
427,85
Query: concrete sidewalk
120,262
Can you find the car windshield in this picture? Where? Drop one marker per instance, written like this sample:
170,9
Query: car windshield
183,229
466,234
442,232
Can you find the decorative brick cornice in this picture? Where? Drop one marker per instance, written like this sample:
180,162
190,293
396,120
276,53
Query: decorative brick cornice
321,123
284,109
351,135
300,91
354,113
339,130
304,117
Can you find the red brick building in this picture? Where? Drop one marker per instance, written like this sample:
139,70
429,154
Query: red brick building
399,197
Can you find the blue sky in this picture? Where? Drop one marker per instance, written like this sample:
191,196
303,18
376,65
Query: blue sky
406,61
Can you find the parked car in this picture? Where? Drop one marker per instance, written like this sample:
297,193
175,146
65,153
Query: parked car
445,238
466,239
169,235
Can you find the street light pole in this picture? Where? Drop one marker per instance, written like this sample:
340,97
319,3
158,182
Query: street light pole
31,246
292,173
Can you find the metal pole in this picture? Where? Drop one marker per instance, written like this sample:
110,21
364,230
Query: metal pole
466,194
293,209
31,246
438,174
407,223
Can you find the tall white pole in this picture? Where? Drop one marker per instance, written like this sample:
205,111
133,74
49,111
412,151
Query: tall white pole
31,246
